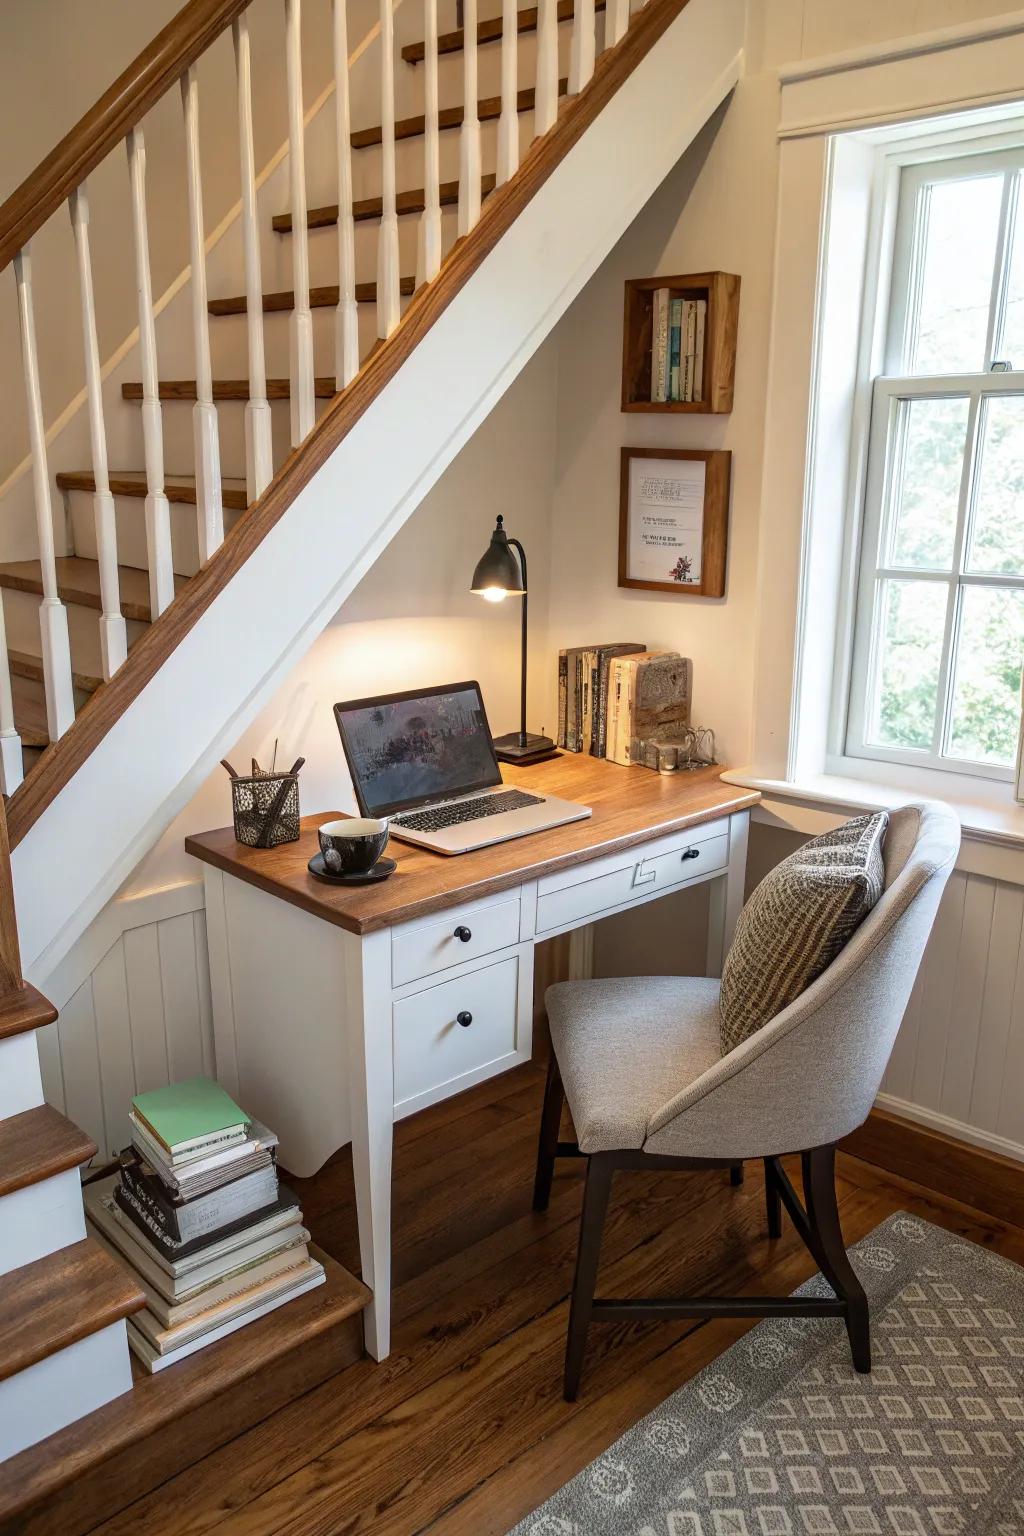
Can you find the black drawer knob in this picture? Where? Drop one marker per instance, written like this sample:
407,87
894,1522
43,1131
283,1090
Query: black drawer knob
463,933
691,853
464,1018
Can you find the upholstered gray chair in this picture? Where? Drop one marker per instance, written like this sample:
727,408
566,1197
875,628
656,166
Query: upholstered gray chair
640,1063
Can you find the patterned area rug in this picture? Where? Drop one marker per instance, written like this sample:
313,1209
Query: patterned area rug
780,1437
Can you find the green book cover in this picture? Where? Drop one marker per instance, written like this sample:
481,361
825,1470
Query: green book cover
188,1112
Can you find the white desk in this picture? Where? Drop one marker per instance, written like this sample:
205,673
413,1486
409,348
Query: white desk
339,1010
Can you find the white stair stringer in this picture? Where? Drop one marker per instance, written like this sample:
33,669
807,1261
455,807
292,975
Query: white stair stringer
158,752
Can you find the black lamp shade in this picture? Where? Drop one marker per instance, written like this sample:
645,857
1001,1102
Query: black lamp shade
498,569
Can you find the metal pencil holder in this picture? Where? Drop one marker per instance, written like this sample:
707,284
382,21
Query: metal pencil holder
266,809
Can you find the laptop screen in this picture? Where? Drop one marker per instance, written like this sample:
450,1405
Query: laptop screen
408,748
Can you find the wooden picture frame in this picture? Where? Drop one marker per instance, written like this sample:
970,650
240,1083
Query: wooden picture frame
692,527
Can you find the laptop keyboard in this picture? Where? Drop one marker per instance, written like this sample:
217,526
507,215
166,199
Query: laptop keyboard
465,810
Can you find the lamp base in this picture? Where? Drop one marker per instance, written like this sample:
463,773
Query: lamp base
515,747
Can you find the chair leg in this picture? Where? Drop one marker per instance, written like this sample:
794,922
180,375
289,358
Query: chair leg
588,1253
551,1115
773,1199
819,1178
736,1175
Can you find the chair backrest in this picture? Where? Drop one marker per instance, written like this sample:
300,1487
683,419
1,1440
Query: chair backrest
811,1075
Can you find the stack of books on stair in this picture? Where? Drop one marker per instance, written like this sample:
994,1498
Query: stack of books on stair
197,1211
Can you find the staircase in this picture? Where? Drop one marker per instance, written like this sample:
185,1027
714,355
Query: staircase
304,423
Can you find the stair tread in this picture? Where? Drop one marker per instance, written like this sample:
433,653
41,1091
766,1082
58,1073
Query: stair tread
319,298
371,207
325,387
219,1374
78,581
132,482
488,108
38,1144
24,1010
24,664
489,31
58,1300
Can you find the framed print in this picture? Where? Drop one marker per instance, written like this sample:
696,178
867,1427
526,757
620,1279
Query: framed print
673,520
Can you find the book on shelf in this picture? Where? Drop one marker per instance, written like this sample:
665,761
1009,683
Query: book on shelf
648,694
700,327
563,696
689,349
604,656
675,347
660,326
187,1117
157,1356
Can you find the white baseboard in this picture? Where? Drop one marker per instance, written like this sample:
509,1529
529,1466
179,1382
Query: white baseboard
953,1128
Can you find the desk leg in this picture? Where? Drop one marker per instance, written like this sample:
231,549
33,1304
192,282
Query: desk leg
372,1092
726,895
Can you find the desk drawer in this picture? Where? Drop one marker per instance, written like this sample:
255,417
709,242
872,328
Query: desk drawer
424,948
642,873
434,1050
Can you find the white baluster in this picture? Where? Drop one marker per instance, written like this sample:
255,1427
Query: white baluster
158,513
12,769
259,461
113,631
53,616
428,256
545,110
205,434
469,137
581,56
388,306
303,400
508,123
346,345
616,22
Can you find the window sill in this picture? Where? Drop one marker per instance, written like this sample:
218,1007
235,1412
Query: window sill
994,818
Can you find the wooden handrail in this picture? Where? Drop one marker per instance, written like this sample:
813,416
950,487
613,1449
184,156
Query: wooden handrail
61,761
159,66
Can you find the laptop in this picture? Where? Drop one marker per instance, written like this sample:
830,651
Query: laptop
424,759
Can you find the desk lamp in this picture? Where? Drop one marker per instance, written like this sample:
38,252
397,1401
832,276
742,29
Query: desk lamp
496,577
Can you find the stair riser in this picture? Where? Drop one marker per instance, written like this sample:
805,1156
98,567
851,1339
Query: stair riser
40,1219
230,341
66,1386
21,617
130,514
21,1086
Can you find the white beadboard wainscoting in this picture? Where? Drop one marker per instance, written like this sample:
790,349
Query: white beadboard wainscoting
134,1001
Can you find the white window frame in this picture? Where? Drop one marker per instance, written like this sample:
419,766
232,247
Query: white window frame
883,446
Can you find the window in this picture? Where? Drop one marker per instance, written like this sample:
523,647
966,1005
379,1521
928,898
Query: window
939,628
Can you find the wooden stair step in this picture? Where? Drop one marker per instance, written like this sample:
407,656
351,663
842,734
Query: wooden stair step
37,1145
101,1464
78,581
23,1010
129,482
489,31
319,298
58,1300
229,389
23,664
488,108
371,207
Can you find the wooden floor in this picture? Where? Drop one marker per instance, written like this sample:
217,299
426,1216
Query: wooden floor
463,1430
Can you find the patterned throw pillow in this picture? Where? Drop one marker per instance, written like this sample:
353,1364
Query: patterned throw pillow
797,920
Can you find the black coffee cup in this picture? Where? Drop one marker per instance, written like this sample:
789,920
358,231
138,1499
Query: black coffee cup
352,846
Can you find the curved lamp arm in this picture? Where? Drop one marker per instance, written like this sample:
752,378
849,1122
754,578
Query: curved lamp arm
521,552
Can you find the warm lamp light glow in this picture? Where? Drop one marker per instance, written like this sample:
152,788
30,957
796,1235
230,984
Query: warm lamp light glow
493,594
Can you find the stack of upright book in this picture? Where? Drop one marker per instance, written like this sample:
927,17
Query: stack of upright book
613,699
677,347
197,1211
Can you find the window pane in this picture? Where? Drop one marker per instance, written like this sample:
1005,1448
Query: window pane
925,490
913,616
960,223
986,692
1011,347
997,543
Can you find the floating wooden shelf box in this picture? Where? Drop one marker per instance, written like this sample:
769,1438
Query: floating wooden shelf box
722,292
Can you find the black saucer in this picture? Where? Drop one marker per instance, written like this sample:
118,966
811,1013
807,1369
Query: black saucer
380,871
